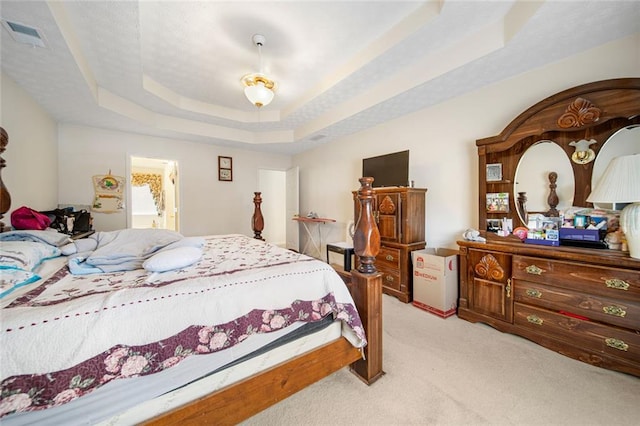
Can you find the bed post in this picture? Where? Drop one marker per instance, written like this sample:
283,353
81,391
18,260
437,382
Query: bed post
5,197
257,222
366,285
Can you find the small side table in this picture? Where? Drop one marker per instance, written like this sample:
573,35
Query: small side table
346,249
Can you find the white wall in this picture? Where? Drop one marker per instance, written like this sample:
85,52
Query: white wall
441,140
207,206
31,172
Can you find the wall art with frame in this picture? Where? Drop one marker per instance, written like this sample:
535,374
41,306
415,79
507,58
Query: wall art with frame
225,168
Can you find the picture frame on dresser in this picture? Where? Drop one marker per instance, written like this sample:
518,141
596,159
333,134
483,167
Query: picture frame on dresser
494,172
498,202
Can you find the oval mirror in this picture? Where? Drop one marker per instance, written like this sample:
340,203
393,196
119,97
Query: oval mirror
532,177
625,141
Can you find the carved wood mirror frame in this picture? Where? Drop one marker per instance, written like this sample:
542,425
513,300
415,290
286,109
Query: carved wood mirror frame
591,111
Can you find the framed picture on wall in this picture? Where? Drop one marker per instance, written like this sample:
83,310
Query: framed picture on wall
225,168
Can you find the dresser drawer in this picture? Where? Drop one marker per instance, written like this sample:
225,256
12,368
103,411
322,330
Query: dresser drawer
609,282
589,335
622,313
390,278
388,257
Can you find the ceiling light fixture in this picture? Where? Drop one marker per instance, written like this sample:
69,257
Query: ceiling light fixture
258,87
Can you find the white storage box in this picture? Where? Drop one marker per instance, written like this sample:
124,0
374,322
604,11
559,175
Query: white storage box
435,280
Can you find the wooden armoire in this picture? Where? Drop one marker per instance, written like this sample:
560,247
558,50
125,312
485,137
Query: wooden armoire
400,215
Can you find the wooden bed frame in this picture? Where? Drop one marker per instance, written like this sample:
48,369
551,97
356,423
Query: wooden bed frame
240,401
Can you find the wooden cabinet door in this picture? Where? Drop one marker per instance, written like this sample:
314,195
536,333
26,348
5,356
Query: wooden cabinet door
388,209
489,291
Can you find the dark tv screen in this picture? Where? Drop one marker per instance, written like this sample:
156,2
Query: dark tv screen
388,170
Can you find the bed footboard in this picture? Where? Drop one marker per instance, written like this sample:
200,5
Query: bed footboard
366,285
235,403
256,393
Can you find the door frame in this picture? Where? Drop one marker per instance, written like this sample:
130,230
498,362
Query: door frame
129,168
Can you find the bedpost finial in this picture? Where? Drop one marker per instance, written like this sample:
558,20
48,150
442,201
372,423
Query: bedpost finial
366,238
257,221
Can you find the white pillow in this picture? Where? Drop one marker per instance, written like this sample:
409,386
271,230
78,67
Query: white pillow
25,255
176,258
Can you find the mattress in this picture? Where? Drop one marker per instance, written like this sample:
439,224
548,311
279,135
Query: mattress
131,401
104,343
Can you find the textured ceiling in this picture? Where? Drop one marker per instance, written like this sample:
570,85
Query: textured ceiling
173,68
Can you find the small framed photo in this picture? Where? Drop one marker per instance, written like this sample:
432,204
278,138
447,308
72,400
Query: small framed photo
493,225
494,172
498,202
225,168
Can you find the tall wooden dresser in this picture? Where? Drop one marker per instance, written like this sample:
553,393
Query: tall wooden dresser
400,215
578,301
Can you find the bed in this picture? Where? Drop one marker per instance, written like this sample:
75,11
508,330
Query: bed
244,326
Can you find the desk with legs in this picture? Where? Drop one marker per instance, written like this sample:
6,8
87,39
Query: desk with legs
316,243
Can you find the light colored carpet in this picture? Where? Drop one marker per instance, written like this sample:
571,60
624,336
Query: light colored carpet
452,372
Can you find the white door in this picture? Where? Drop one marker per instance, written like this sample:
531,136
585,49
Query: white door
293,208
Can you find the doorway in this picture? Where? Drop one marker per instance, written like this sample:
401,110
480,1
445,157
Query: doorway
153,189
279,190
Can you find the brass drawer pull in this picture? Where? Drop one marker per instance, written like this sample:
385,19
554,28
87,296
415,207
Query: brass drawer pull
508,288
533,269
617,284
532,292
616,344
614,310
534,319
389,278
389,258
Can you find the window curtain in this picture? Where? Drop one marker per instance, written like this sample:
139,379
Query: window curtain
155,184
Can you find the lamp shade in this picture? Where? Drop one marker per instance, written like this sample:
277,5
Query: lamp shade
620,182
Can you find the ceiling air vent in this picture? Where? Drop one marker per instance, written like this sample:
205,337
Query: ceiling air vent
24,34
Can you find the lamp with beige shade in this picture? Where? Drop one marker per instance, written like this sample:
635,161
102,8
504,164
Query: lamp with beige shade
620,183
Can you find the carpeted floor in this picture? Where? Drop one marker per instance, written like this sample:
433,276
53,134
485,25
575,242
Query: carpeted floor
452,372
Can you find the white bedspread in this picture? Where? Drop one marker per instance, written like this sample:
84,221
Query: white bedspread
70,334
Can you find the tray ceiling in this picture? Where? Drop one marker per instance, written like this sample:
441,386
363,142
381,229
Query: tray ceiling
173,68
